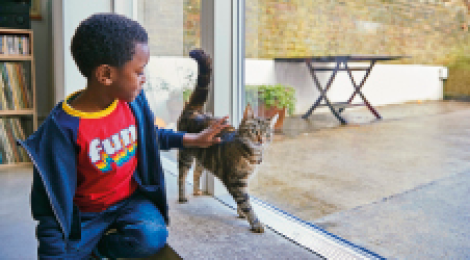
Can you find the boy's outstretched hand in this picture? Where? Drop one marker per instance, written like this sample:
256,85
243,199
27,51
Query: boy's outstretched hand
207,137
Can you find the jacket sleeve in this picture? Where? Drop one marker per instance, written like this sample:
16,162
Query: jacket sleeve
168,139
51,243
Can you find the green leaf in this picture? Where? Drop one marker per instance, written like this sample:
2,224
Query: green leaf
272,95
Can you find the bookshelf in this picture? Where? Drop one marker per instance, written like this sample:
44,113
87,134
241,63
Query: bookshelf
18,112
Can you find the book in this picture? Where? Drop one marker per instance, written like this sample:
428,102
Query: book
3,155
3,148
16,45
20,45
25,70
7,89
21,136
12,141
3,97
15,84
18,133
11,85
5,142
10,45
25,94
27,51
3,100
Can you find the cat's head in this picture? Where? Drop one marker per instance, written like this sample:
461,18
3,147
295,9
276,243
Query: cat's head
259,130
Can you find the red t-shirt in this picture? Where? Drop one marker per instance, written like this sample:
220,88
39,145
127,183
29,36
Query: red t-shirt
107,145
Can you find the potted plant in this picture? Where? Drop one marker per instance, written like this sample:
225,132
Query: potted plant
268,100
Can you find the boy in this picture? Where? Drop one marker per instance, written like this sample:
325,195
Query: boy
96,156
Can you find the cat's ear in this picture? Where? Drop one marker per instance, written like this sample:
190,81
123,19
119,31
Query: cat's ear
273,120
248,114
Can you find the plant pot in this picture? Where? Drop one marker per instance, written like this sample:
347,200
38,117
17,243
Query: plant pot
264,111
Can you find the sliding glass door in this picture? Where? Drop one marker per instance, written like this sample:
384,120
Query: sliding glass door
174,29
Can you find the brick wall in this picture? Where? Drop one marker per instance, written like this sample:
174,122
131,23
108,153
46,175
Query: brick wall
427,30
430,31
173,26
163,21
192,30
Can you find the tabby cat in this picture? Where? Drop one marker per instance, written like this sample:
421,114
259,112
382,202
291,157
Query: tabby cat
235,158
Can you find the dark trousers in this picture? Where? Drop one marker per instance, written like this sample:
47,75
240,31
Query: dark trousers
131,228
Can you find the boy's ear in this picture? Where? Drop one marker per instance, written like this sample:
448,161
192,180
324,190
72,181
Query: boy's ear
105,74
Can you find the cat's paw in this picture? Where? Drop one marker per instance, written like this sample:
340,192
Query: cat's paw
240,213
182,200
258,228
197,193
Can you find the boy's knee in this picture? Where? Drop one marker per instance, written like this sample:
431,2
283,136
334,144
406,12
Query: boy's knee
150,239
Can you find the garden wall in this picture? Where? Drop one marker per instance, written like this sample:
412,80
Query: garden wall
387,83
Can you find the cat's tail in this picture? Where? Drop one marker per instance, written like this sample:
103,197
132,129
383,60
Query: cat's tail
199,96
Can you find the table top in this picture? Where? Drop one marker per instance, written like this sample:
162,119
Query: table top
335,58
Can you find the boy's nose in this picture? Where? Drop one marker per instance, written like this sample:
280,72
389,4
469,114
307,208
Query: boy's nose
143,79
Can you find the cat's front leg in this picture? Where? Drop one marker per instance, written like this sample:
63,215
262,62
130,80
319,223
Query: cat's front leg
238,191
197,179
240,212
184,164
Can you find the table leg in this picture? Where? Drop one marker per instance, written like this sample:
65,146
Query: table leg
323,92
358,88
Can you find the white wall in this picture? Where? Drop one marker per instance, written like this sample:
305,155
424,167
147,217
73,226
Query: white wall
42,34
387,84
125,7
67,15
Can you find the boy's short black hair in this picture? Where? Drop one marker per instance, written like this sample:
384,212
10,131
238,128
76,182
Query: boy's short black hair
105,39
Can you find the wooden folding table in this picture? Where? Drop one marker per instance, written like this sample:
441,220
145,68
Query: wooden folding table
312,64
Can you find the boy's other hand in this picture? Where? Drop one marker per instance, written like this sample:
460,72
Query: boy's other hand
207,137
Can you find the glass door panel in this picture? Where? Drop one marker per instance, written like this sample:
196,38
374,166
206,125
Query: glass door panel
342,177
173,28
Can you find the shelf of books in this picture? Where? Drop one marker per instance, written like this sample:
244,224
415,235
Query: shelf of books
18,114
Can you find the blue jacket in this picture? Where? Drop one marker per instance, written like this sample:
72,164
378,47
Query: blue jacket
55,176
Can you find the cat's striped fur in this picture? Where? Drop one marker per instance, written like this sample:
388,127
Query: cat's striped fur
235,158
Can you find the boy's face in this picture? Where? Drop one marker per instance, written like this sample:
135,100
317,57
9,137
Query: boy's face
131,77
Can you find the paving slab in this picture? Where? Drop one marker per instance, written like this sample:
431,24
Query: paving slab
431,221
346,178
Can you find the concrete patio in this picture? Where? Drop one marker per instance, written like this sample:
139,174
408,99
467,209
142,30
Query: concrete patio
396,186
